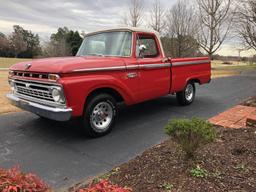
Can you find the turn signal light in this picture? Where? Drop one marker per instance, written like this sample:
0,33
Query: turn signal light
11,73
53,77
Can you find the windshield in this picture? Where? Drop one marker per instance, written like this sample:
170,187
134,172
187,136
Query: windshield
107,44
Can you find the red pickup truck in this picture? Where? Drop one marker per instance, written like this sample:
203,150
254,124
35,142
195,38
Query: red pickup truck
118,65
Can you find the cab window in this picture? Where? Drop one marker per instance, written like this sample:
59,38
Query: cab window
151,46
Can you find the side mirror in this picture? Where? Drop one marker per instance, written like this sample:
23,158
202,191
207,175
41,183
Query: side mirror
142,49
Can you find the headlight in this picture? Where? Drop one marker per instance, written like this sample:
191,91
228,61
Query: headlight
12,85
57,95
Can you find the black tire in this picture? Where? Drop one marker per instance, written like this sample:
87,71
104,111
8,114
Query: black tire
183,98
90,119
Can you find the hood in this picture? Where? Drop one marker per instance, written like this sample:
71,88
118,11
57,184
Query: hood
67,64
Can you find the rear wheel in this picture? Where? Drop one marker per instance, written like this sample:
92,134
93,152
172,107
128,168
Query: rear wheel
99,115
187,96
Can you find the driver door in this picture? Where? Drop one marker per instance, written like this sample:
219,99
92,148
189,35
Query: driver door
154,72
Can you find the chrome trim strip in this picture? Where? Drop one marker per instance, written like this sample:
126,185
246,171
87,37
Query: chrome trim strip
58,114
149,66
129,67
177,63
143,66
155,66
117,68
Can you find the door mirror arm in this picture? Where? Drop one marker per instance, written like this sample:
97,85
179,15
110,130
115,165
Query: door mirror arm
166,59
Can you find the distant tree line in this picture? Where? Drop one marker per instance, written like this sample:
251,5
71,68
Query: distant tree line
63,43
22,43
188,28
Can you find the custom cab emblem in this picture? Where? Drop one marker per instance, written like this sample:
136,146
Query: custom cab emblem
27,66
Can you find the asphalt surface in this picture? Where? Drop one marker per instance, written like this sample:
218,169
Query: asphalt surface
61,155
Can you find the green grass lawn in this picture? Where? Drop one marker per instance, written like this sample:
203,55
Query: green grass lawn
221,70
233,64
7,62
245,67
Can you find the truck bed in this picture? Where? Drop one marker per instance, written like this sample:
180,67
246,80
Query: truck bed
189,69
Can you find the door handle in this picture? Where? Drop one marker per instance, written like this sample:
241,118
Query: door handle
132,75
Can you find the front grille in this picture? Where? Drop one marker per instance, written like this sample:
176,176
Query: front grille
34,91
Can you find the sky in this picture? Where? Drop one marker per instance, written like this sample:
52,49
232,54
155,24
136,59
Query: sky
45,16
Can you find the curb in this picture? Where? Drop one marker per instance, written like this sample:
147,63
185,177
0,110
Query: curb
251,120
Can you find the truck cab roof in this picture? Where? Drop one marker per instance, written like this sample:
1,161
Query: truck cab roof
132,29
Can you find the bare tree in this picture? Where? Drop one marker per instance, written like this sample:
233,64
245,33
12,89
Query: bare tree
215,24
58,48
134,17
125,20
245,16
83,34
157,17
182,26
17,42
4,43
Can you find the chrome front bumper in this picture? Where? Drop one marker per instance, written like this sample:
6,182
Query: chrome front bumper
54,113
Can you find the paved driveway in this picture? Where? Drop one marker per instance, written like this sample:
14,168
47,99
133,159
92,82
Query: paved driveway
61,155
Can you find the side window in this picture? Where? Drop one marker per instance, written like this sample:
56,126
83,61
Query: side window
150,43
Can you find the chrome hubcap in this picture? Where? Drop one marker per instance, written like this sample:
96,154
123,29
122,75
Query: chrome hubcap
101,116
189,92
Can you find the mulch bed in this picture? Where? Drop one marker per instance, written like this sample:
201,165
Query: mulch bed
251,102
230,163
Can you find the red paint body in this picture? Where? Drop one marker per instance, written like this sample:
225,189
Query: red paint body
149,83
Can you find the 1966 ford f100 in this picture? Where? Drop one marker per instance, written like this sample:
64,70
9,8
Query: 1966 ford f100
118,65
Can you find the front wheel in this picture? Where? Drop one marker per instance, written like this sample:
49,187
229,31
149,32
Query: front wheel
187,96
99,115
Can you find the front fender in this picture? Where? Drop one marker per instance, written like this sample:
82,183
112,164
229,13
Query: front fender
78,88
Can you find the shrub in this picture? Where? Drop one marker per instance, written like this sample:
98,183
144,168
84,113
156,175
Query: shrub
166,186
190,134
104,186
241,167
198,172
13,180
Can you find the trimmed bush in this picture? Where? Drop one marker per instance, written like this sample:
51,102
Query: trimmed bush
104,186
190,134
13,180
